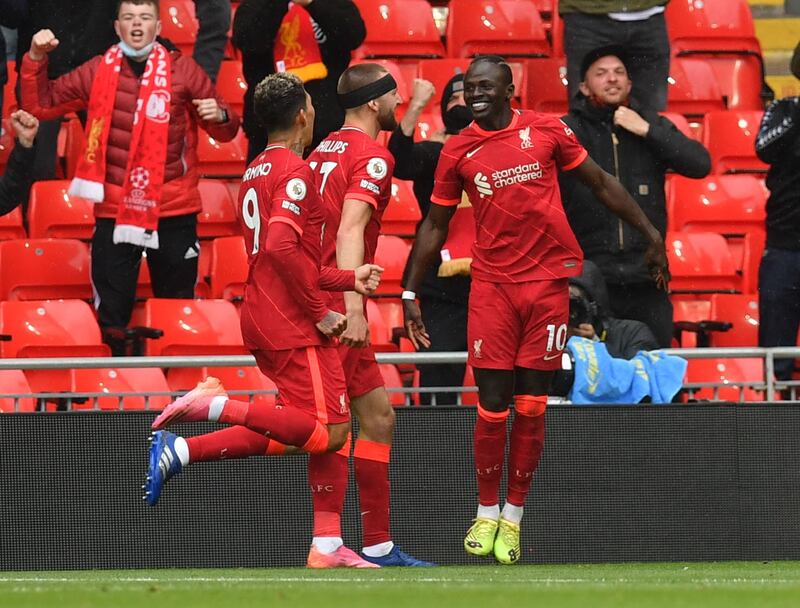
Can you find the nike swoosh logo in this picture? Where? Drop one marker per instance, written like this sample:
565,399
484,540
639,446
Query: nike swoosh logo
472,153
551,357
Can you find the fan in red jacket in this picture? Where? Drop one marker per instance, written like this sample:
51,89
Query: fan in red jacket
139,165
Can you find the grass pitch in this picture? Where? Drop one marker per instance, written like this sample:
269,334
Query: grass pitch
709,585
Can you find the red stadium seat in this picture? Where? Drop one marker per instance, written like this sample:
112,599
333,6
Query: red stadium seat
218,217
380,332
740,79
469,397
241,383
741,310
391,253
231,85
402,214
14,382
9,96
679,120
689,311
728,204
6,142
511,28
11,225
711,25
392,312
116,381
178,24
693,88
546,89
74,142
730,372
730,139
229,268
52,328
53,213
225,159
398,29
438,72
41,269
191,327
392,380
700,262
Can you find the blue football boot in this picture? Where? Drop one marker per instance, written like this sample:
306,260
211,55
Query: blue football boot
164,463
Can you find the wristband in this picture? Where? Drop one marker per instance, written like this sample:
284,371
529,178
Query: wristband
408,295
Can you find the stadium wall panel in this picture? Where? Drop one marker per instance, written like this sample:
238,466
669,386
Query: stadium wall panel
617,483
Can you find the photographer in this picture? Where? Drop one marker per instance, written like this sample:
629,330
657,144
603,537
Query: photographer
589,317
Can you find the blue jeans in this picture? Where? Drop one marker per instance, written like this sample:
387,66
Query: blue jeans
779,303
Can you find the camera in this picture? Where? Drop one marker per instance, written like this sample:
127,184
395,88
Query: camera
581,311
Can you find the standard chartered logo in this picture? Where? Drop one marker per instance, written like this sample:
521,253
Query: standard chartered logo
517,175
483,185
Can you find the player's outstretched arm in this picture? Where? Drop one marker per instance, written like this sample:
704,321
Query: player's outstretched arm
613,195
364,279
431,235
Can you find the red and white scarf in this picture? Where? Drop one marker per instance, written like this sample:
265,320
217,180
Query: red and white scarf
137,214
296,48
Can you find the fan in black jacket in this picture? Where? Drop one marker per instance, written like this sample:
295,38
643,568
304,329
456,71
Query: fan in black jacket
16,181
638,147
338,29
778,143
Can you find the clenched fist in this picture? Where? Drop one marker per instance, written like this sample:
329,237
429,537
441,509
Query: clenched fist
42,43
209,110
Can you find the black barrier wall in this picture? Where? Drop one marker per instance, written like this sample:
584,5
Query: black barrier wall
615,484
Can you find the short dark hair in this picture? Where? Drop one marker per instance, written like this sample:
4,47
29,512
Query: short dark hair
498,61
358,76
277,100
138,2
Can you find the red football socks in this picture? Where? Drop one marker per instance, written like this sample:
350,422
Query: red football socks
371,461
489,447
527,441
286,425
327,477
232,442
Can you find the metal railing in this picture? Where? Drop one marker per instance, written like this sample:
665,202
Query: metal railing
768,386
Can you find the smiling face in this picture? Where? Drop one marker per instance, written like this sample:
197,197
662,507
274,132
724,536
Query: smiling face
488,91
137,25
607,81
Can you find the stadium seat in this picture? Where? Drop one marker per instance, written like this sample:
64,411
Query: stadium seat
693,88
679,120
687,313
469,397
218,217
711,26
729,372
11,225
380,332
511,28
42,269
229,268
392,313
391,253
54,213
740,79
392,380
6,142
241,383
730,139
728,204
701,262
741,311
546,88
191,327
52,328
9,96
222,159
231,85
402,213
398,29
74,142
144,381
438,72
14,382
178,24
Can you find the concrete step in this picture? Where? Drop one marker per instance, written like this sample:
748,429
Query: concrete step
776,63
784,86
778,34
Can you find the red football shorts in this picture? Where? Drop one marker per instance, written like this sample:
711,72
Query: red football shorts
517,324
361,371
308,378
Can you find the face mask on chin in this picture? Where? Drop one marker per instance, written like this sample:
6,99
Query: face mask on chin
457,118
132,53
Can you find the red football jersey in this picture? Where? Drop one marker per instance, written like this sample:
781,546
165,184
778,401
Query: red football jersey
278,187
349,164
521,230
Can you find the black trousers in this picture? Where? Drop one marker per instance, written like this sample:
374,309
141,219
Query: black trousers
115,267
647,45
446,323
646,303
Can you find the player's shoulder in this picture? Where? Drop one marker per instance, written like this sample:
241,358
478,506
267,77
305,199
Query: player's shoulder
543,121
460,143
